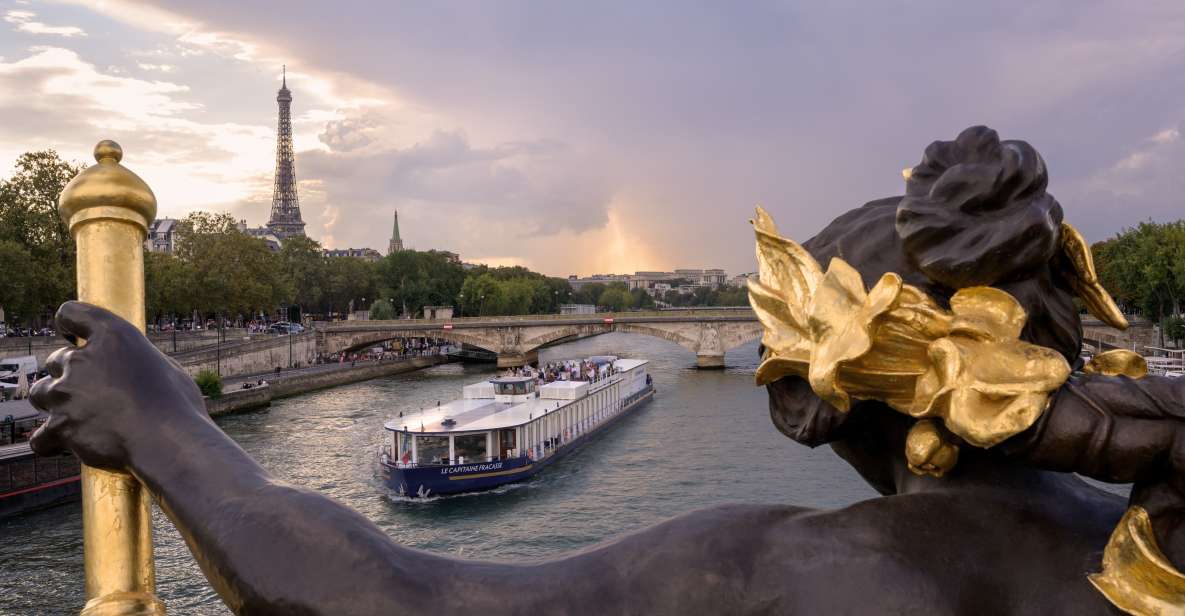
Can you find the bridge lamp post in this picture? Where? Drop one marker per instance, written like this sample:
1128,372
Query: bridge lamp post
461,303
482,310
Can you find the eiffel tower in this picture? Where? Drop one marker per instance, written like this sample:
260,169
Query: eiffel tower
285,220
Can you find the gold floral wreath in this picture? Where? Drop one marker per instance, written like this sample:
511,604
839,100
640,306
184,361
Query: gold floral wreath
965,367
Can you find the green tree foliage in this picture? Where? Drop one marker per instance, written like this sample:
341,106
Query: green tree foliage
1174,329
615,298
1144,268
382,310
303,265
168,287
414,279
232,273
348,282
482,295
510,290
34,237
704,296
209,383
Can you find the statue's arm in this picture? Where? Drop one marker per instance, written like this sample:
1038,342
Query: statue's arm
1119,430
1111,428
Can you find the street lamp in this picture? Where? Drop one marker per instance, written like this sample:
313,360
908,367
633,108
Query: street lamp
461,303
482,310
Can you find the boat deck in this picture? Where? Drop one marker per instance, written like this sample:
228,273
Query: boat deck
480,414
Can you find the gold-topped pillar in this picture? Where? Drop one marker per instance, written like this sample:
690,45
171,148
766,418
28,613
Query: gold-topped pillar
108,209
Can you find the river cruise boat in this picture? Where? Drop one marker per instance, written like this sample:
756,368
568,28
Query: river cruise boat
509,428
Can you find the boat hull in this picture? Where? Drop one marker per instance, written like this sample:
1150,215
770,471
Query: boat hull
427,481
56,482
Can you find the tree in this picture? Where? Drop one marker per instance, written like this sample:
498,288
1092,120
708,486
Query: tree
29,219
382,310
232,273
209,383
302,263
639,298
414,279
18,289
168,286
349,281
1174,329
1144,268
615,299
481,295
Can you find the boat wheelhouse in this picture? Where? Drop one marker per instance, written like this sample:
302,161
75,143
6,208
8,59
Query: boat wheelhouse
508,428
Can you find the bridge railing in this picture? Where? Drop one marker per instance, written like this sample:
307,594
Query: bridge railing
741,313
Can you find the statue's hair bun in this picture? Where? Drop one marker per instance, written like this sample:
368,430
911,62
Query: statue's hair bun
976,211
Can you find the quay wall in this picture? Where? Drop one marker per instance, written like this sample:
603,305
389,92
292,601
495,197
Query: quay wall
1139,334
252,357
238,400
42,347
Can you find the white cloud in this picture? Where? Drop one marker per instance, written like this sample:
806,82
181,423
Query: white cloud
162,68
23,20
69,104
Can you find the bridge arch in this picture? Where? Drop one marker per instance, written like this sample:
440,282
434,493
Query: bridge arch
516,340
362,340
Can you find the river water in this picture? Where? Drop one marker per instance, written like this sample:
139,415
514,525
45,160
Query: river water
705,439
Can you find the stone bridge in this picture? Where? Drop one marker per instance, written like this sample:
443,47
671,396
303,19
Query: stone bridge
516,340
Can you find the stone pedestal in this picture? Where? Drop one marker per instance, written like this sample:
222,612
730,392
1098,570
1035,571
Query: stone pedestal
517,360
709,361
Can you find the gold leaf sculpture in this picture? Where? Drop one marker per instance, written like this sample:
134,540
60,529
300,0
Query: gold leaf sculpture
1085,280
1137,577
965,366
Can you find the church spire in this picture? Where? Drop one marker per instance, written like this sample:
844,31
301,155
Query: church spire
396,243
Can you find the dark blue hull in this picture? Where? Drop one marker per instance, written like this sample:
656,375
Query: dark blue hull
426,481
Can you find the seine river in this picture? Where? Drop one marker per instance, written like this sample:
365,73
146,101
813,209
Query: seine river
705,439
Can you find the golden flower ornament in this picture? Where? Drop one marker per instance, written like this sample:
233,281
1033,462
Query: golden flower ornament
965,366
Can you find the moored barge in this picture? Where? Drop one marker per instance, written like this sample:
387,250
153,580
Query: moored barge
509,428
29,481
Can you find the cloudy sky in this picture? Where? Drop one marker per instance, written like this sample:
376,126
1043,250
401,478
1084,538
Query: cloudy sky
592,137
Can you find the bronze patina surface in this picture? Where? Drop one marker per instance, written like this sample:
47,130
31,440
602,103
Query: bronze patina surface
881,356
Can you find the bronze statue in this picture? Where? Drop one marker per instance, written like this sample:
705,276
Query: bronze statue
934,354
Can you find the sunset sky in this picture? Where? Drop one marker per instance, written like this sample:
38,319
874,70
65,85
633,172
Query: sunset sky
596,137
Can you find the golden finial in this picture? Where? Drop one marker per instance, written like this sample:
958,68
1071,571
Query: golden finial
107,190
907,173
108,149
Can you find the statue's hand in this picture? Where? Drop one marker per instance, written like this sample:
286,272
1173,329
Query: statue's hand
113,394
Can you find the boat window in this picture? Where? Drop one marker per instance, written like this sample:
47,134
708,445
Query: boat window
507,443
432,449
404,454
472,447
520,388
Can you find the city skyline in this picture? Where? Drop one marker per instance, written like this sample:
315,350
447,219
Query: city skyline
577,141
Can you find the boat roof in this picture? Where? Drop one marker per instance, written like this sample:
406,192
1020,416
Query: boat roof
509,379
18,409
480,414
629,364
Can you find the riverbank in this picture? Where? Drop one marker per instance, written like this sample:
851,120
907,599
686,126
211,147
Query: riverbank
294,382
